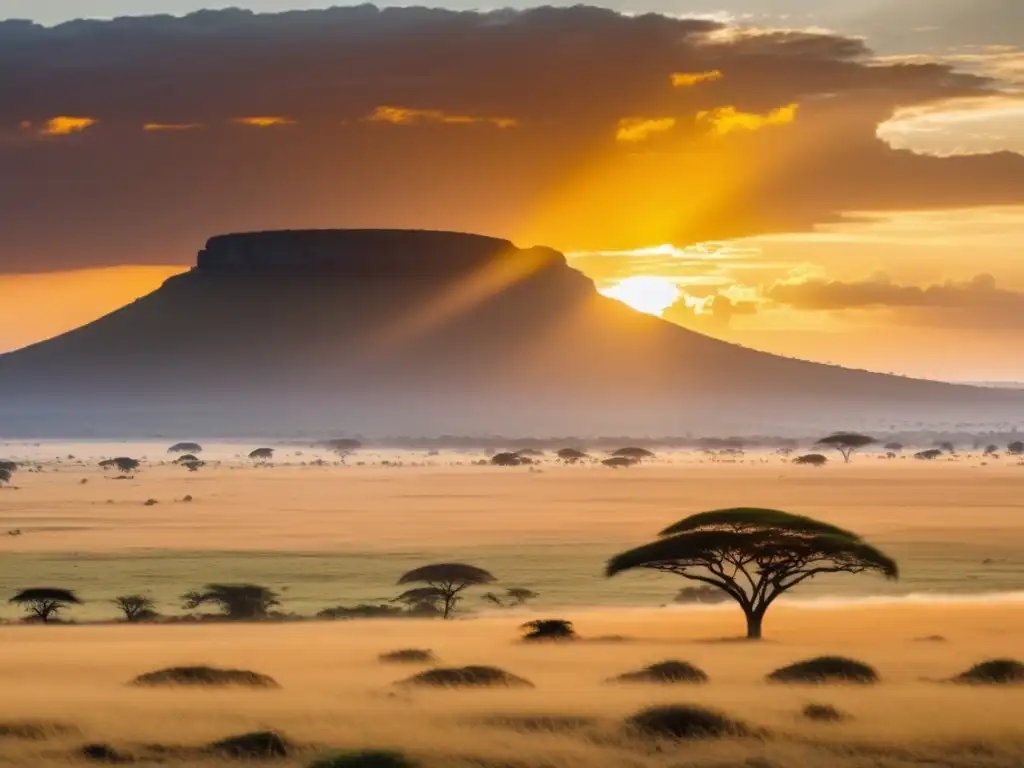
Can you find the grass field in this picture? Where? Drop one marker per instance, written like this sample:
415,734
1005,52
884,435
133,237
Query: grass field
330,535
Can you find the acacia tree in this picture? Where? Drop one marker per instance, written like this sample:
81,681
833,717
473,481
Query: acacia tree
261,455
123,464
44,603
572,455
754,555
136,607
185,448
632,452
846,443
1016,448
240,602
449,580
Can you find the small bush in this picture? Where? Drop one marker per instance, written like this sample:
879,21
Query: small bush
822,713
258,745
665,672
825,669
370,758
993,672
468,677
102,753
548,629
151,503
683,721
408,656
205,676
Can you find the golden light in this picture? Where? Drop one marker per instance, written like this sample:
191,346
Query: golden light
410,116
644,293
263,121
64,126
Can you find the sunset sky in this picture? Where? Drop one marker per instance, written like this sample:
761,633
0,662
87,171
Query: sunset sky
792,175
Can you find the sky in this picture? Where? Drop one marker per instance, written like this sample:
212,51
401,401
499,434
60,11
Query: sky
827,180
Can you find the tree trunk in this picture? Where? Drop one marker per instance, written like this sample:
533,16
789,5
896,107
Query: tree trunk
754,620
448,601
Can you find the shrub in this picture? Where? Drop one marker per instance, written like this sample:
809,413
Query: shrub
993,672
467,677
811,460
684,721
825,669
249,746
822,713
102,753
408,656
370,758
665,672
361,611
205,676
548,629
34,730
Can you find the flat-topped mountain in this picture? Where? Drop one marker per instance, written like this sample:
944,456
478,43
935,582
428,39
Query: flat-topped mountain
415,332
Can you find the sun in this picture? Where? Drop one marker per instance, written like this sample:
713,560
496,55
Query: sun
652,295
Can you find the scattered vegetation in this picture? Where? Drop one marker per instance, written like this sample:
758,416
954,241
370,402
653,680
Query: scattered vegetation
468,677
682,721
754,555
930,455
571,455
993,672
825,669
633,452
620,462
664,672
408,656
510,460
122,464
136,607
548,630
513,597
811,460
822,713
102,753
258,745
205,676
239,602
45,603
34,730
449,580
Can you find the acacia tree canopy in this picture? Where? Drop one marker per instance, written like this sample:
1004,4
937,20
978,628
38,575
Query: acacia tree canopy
45,602
847,442
449,580
754,555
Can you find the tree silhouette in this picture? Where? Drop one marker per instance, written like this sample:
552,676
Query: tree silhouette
571,455
185,448
548,629
620,462
136,607
449,579
45,602
1016,448
5,476
122,464
754,555
193,465
513,597
846,443
929,455
237,601
421,600
9,466
262,454
812,460
638,454
510,460
344,446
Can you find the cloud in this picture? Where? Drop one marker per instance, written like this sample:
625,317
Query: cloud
641,128
725,120
560,177
690,79
159,127
970,126
711,313
409,116
63,126
268,121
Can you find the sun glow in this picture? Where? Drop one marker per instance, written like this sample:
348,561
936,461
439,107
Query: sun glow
652,295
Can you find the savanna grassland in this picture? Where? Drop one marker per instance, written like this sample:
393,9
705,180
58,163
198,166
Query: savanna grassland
328,535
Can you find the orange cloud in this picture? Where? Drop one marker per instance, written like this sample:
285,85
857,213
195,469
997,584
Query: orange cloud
170,126
689,79
62,126
725,120
408,116
640,128
265,121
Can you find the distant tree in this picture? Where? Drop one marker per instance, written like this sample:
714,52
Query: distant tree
929,455
136,607
122,464
44,603
548,629
449,579
811,460
9,466
1016,448
344,446
261,455
5,476
846,443
620,462
185,458
421,600
571,455
237,601
194,465
754,555
991,450
185,448
512,598
894,447
510,460
632,452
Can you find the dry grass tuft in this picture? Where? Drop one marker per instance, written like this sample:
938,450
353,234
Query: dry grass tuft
685,721
665,672
825,669
205,676
467,677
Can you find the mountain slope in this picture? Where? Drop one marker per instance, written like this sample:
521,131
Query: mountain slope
390,331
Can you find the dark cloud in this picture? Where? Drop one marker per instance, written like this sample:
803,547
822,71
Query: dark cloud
976,303
508,126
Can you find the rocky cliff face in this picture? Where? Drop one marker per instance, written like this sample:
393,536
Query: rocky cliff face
391,332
